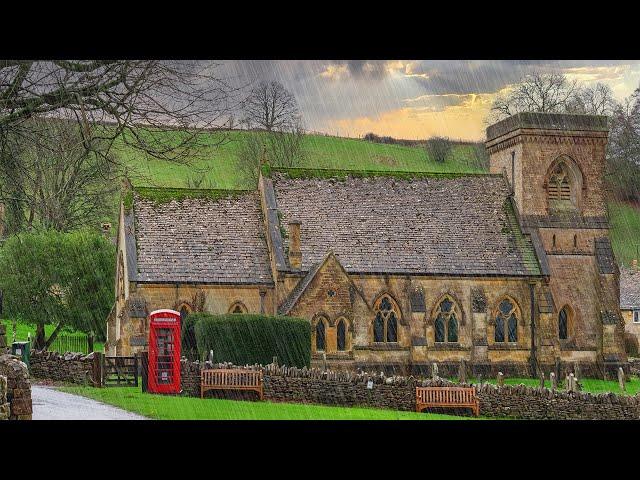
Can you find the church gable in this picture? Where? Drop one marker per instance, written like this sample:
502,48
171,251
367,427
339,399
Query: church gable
327,287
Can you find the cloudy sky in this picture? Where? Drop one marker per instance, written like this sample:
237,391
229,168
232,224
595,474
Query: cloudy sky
413,98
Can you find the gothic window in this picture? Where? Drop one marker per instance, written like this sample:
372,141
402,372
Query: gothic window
320,336
238,307
446,321
341,335
563,324
506,321
564,182
385,324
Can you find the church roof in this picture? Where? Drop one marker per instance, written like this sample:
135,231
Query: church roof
198,236
410,223
629,288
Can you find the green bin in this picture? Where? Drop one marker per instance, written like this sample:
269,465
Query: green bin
22,350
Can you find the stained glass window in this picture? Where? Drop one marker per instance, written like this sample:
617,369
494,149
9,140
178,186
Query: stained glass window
563,324
506,319
320,336
341,335
446,323
385,324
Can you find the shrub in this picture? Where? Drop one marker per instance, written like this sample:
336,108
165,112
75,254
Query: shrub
248,339
188,343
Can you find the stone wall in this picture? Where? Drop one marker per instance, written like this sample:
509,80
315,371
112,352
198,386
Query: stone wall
398,393
4,404
67,367
18,391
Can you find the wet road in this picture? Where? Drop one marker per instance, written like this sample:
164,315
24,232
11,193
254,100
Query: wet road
50,404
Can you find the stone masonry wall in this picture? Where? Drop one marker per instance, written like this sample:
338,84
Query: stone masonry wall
67,367
398,393
4,405
18,391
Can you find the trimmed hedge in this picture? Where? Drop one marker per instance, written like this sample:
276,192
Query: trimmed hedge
248,339
188,344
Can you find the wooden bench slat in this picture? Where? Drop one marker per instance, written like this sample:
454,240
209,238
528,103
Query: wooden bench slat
448,397
231,379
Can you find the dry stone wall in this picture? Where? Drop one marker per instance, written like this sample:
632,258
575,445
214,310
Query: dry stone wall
4,404
398,393
67,367
18,389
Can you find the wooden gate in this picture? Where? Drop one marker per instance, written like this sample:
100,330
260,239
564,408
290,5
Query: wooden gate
120,372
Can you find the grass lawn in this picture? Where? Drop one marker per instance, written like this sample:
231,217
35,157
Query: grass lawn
164,407
24,329
588,384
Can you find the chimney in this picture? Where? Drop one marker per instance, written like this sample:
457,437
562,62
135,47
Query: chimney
295,255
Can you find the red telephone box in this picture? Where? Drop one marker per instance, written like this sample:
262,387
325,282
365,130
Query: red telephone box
164,351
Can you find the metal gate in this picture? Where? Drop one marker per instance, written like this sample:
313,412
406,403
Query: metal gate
120,372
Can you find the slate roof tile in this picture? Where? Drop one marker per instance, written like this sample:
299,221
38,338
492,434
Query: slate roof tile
629,288
202,240
432,225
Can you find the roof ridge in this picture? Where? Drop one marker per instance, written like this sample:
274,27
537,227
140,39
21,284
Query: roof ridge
308,172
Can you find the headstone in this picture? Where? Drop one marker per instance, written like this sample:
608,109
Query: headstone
571,383
434,371
462,372
623,387
370,384
500,379
324,361
211,355
553,380
541,379
576,370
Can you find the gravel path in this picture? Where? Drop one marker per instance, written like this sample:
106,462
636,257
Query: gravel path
51,404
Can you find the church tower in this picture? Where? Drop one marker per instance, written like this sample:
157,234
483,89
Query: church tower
555,165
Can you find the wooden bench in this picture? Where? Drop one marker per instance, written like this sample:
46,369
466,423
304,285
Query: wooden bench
231,379
447,397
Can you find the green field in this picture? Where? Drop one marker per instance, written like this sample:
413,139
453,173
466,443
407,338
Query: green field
23,330
625,231
164,407
219,163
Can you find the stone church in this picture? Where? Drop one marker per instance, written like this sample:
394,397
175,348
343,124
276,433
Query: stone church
511,270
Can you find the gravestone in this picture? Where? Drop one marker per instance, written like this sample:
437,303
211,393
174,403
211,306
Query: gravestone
541,379
571,383
462,372
434,371
576,370
623,387
553,380
500,379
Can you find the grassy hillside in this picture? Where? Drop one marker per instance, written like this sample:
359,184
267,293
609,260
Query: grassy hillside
219,167
220,163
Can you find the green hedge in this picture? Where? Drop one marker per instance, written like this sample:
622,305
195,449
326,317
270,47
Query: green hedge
248,339
188,344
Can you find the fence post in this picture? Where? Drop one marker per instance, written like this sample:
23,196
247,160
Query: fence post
98,366
144,370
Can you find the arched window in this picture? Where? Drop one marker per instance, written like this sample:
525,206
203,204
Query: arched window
446,321
237,307
341,335
385,324
321,340
564,185
563,324
506,322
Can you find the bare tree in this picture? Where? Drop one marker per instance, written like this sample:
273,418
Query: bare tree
272,107
623,149
592,100
539,92
285,147
438,148
63,186
128,102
